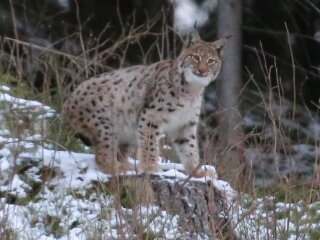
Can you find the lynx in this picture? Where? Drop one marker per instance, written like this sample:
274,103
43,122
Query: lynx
136,106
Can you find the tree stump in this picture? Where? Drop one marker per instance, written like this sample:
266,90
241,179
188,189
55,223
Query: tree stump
202,207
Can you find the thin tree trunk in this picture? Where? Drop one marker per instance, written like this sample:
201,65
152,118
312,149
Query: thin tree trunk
229,83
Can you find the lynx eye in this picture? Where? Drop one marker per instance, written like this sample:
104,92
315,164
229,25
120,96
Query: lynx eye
196,58
211,61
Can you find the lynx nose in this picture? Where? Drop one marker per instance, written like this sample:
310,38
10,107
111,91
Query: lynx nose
203,68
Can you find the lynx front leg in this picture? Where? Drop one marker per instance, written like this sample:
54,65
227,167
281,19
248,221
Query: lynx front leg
186,145
148,150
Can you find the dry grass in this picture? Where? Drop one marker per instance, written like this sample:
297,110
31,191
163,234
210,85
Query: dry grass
277,132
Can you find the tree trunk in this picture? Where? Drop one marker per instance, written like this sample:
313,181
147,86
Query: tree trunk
229,83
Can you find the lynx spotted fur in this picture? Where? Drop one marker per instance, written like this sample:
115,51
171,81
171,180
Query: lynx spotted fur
136,106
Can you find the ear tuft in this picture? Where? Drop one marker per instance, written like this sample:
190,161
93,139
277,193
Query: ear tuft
220,44
194,37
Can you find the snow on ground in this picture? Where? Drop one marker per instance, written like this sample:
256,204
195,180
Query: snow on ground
73,215
69,205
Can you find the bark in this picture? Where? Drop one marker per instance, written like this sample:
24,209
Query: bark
229,83
202,208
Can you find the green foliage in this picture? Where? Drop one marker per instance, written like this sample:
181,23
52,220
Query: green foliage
289,191
148,235
62,136
19,87
128,196
314,234
31,192
8,234
53,226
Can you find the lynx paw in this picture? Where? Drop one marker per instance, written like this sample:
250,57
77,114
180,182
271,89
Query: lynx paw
204,171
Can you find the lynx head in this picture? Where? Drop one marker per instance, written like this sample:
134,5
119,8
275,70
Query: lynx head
200,61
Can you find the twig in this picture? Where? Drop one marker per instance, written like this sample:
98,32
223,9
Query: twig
293,74
81,37
46,49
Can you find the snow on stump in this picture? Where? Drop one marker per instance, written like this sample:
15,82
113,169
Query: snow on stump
202,204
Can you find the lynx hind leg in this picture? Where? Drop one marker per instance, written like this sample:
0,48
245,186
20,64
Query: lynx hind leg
111,156
105,146
106,159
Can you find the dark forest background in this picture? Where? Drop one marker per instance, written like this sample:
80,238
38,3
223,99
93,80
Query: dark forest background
259,127
48,47
267,26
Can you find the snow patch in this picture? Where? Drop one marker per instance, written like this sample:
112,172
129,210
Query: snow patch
187,14
4,88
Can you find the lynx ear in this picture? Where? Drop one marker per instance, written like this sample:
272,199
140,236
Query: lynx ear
193,37
219,45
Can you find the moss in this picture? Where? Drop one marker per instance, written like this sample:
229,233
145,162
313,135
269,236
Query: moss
62,134
143,232
76,194
31,192
25,200
148,235
19,87
127,196
314,234
53,226
8,234
282,235
100,187
32,195
291,191
282,214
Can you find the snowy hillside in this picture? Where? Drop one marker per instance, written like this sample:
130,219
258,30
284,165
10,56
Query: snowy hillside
46,194
50,194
